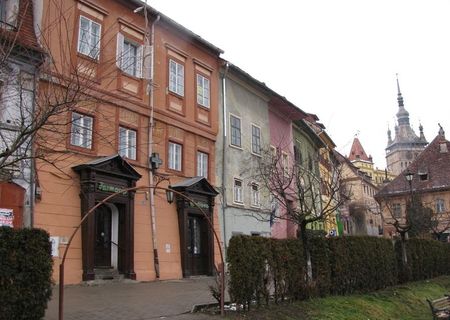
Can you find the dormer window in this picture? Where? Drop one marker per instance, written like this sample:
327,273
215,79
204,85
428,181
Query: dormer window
423,175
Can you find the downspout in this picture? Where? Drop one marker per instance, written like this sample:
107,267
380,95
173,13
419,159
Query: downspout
224,148
33,173
150,141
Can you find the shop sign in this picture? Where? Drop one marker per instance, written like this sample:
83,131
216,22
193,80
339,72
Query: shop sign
199,204
101,186
6,217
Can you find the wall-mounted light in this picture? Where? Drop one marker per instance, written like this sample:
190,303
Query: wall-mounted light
169,195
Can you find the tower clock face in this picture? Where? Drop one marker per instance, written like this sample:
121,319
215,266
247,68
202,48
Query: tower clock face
409,155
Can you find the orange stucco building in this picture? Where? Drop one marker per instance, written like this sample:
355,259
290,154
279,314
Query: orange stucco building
144,89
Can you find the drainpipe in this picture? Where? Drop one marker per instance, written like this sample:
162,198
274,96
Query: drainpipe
33,173
224,142
150,139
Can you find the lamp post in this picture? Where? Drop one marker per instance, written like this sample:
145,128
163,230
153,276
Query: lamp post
169,196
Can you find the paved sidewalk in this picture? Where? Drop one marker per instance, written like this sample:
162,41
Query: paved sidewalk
171,299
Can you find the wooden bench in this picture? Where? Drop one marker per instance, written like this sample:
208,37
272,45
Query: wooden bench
440,307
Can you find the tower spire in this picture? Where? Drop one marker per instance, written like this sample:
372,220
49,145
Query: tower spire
402,114
399,93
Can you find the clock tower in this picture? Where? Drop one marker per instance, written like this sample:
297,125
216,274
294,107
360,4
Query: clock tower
406,145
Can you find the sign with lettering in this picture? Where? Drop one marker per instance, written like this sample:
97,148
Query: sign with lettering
6,217
199,204
101,186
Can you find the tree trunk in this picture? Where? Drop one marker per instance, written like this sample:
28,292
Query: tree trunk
403,245
306,252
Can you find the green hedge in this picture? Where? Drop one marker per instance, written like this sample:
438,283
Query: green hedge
426,259
25,273
262,267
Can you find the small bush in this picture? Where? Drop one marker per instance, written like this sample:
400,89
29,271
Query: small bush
25,273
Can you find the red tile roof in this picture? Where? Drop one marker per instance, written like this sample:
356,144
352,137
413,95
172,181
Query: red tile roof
433,163
357,152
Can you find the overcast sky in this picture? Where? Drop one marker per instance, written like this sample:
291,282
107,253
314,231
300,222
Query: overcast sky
337,59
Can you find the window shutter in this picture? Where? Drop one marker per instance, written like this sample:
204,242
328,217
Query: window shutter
139,58
119,50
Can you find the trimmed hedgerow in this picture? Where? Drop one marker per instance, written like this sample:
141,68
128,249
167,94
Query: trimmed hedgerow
426,259
25,273
360,264
260,268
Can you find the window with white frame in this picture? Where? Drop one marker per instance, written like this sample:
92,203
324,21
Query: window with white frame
89,38
235,127
81,134
175,156
237,191
129,56
255,194
440,206
127,143
202,164
203,91
176,77
256,140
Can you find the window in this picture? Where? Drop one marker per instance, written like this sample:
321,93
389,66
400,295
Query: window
440,206
297,153
255,195
285,163
202,164
176,77
89,38
235,125
256,140
81,134
127,143
202,91
175,151
397,210
129,56
238,197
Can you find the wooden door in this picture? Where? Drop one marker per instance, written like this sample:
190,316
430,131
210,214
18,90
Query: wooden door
197,246
102,246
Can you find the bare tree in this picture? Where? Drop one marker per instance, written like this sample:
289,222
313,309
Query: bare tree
304,196
408,216
35,106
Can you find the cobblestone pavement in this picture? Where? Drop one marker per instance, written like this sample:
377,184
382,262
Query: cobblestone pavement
171,299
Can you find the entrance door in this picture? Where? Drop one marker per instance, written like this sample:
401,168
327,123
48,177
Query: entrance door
197,245
102,246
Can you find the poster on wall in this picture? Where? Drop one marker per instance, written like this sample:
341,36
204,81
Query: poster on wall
6,217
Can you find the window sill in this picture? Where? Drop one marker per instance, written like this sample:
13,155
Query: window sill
88,58
177,95
203,107
236,147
